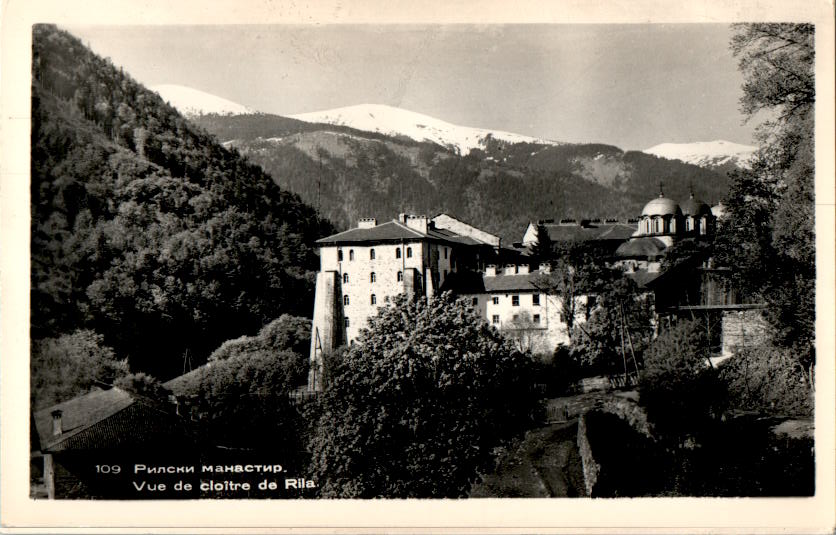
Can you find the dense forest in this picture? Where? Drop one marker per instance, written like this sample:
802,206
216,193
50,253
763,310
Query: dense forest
348,174
145,230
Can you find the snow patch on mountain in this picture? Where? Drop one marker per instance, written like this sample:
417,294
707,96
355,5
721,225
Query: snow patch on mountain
708,154
393,121
193,102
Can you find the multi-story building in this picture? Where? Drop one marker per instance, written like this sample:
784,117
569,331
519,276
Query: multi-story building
364,267
511,298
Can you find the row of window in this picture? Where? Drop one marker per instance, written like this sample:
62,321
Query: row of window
534,319
372,277
372,254
373,300
515,300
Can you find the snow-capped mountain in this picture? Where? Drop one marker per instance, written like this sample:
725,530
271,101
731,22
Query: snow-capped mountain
192,102
717,154
399,122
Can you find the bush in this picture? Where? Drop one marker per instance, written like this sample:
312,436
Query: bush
243,401
679,388
768,379
289,334
416,407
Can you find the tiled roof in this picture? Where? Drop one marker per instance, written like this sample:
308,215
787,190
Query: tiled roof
383,232
504,283
641,247
603,231
643,278
105,419
395,231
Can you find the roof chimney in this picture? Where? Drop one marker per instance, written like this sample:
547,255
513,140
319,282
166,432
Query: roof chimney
490,270
417,222
57,428
367,222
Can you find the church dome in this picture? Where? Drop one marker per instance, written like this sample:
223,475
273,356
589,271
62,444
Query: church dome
661,205
695,207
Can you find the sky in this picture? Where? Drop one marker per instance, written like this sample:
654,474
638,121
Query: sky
629,85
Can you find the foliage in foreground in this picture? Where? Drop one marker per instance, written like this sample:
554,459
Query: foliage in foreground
679,388
243,401
415,408
768,379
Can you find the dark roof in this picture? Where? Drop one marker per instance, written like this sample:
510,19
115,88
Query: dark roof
105,419
641,248
643,278
479,283
395,231
603,231
695,207
505,283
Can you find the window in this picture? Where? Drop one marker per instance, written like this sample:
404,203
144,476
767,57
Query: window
535,300
373,277
374,299
536,318
398,252
400,276
516,317
351,255
445,253
495,300
515,300
495,319
475,301
409,252
371,254
345,278
345,300
339,255
346,323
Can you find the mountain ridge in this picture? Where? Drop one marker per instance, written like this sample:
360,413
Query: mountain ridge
717,154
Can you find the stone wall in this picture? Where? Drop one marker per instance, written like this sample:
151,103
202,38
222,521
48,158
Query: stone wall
743,328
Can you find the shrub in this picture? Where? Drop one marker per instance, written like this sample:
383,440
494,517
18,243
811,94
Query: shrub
416,407
768,379
679,388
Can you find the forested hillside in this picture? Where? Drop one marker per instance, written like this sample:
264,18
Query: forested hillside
349,174
144,229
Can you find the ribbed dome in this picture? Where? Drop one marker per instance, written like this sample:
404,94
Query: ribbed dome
695,207
661,205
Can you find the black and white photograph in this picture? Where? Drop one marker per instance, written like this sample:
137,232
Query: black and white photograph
490,262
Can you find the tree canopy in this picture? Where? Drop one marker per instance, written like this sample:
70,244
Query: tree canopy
144,227
415,407
769,232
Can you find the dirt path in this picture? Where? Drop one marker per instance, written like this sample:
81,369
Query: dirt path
545,464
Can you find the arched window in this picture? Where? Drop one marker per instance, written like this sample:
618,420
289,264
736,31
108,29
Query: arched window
703,225
345,278
351,255
374,299
345,300
400,276
398,252
371,254
409,252
657,224
339,255
373,277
